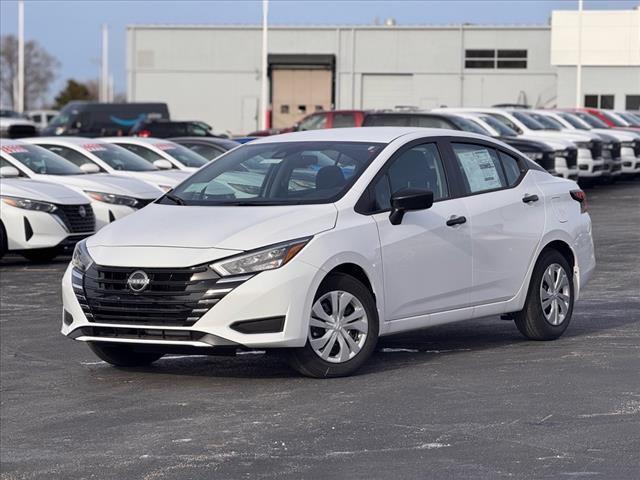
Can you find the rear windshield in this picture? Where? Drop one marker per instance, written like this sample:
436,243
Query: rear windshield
40,160
406,120
288,173
118,158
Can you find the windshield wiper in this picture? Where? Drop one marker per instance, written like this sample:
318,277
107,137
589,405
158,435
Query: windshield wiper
174,198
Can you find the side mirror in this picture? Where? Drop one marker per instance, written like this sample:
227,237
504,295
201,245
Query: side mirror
406,200
90,168
162,164
9,172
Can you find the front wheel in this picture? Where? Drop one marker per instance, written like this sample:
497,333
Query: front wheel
549,305
343,329
123,355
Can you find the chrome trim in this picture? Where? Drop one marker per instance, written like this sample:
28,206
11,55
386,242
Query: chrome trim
238,278
89,338
216,291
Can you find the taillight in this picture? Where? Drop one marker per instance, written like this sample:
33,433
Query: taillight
580,197
144,133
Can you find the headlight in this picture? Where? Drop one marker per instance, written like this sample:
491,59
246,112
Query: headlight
586,145
81,258
534,155
269,258
29,204
112,199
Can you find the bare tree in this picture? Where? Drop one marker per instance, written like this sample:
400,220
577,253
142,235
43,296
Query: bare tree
39,71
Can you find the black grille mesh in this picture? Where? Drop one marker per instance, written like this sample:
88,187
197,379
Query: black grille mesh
71,216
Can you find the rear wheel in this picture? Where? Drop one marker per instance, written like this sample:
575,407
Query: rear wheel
549,306
123,355
44,255
3,240
343,329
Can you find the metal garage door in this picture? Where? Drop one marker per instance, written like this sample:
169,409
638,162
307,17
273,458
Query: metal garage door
387,91
298,92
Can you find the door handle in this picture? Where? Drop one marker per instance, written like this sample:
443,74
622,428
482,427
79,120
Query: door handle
453,221
530,198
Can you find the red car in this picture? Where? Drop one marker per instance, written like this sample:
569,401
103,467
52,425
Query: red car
318,120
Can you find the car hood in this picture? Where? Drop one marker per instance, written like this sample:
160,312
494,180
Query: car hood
227,228
573,136
43,191
106,183
555,143
620,135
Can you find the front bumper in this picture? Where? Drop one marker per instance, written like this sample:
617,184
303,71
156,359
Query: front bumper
106,213
285,293
630,163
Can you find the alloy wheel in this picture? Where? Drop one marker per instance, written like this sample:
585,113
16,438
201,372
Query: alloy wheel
338,326
555,294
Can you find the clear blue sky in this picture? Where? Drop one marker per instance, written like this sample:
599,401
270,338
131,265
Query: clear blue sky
70,29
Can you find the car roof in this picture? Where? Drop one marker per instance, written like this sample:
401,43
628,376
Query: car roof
207,140
360,134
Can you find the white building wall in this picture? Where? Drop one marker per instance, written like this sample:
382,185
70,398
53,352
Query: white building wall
212,73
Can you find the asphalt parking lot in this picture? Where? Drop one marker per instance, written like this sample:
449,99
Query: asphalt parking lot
470,400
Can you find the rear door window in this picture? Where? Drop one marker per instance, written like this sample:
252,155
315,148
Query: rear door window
344,120
480,167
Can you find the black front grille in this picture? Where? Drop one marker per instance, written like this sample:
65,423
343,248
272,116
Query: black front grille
173,297
596,149
572,157
636,148
616,149
73,218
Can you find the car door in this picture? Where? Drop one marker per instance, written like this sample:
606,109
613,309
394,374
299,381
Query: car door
426,259
506,216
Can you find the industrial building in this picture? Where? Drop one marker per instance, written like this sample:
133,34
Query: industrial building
212,73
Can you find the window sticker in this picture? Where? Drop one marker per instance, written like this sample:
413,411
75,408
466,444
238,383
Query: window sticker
480,170
14,149
94,147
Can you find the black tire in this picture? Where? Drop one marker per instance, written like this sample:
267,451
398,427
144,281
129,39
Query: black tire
531,320
123,355
40,256
307,362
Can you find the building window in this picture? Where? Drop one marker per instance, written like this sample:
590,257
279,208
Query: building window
495,59
599,101
632,102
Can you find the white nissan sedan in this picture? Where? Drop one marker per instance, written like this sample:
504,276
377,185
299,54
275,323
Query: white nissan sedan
319,242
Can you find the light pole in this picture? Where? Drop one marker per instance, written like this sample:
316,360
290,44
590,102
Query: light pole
104,71
20,94
579,62
264,107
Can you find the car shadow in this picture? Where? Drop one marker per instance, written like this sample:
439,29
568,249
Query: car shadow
15,260
394,352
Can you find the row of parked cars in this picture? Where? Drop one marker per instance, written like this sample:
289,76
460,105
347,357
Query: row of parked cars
56,191
584,144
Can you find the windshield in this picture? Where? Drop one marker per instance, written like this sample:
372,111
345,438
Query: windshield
529,122
613,119
469,126
288,173
185,156
40,160
574,121
547,122
118,158
592,120
500,127
630,119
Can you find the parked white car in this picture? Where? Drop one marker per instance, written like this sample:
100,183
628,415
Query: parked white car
41,117
564,153
40,220
408,228
14,125
161,152
629,141
590,162
112,197
89,153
